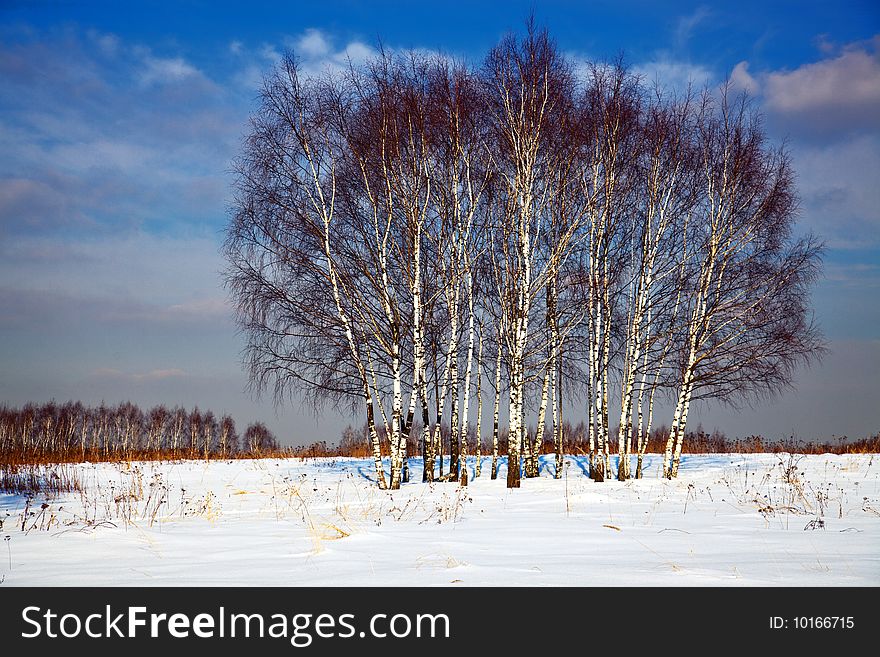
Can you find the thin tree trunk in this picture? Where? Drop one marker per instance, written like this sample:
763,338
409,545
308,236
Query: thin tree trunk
447,375
677,418
436,443
514,433
494,474
679,440
453,420
532,465
467,382
561,428
427,447
554,346
606,356
599,464
479,444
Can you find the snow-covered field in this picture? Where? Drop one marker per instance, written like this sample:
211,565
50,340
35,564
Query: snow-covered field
728,520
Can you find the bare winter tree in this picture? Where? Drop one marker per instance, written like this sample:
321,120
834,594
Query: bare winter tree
228,437
73,430
259,439
663,187
396,222
335,203
529,88
745,305
460,178
610,110
295,294
157,422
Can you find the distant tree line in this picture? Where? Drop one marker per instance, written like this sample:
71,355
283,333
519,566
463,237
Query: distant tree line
72,429
414,233
354,443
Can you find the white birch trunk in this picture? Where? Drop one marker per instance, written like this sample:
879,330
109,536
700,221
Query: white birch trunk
676,459
606,361
648,426
676,431
467,382
557,429
553,321
479,445
599,465
447,372
532,466
497,407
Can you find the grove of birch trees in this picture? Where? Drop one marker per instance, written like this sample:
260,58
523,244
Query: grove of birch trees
415,234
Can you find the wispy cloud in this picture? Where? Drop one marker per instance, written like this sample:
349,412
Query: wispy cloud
673,75
108,43
100,141
859,276
49,311
828,111
196,313
152,375
838,185
319,52
685,25
158,70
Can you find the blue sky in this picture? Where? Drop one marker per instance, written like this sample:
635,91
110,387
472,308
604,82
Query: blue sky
118,122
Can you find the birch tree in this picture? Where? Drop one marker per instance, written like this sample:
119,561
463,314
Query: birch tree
528,84
664,200
462,170
609,110
294,294
747,322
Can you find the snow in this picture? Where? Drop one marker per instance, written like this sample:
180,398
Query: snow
727,520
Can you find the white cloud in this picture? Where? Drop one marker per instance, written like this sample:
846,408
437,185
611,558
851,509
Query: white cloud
37,204
356,52
836,95
270,53
853,276
249,78
196,312
159,70
235,47
674,75
312,44
118,155
169,278
316,51
103,145
318,54
851,79
742,80
824,44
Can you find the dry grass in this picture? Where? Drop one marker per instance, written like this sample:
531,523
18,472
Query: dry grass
15,476
13,458
575,442
30,480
